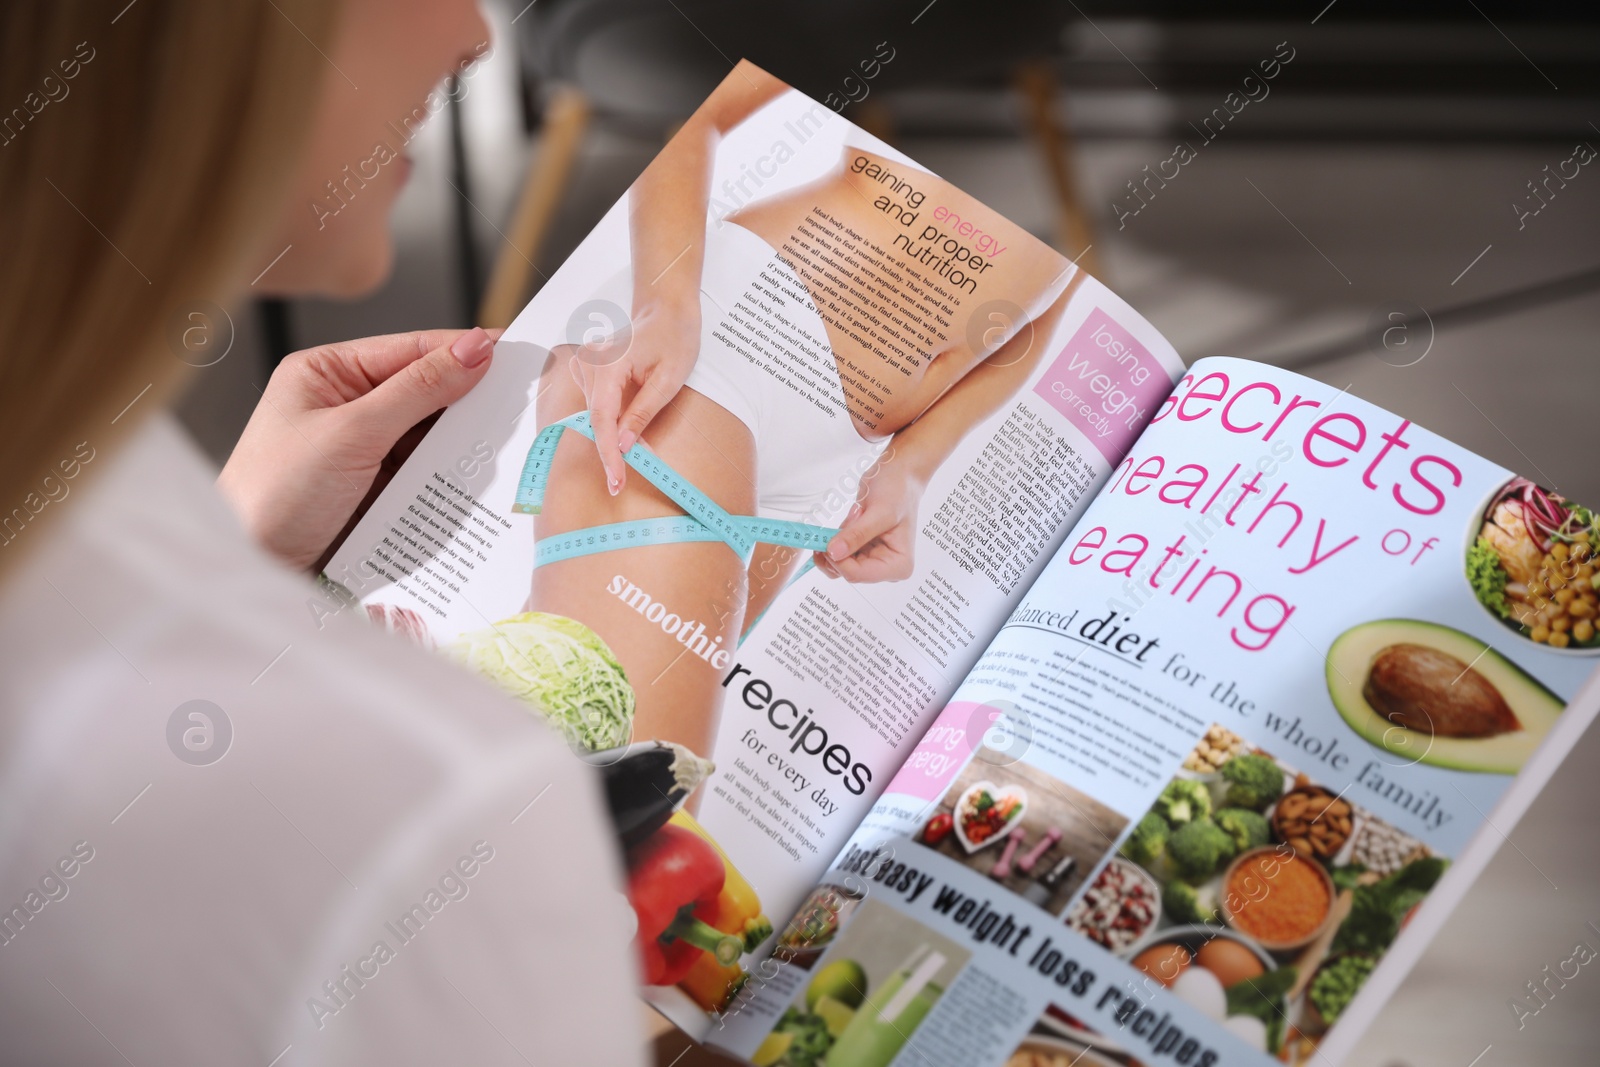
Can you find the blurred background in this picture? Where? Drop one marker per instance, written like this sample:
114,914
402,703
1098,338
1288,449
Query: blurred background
1409,210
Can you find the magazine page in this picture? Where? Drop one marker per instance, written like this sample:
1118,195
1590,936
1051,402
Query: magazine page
877,407
1222,773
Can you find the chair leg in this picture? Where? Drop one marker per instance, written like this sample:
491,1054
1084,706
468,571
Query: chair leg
1049,133
875,117
566,118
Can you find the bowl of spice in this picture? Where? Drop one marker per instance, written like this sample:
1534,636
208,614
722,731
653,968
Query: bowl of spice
1277,897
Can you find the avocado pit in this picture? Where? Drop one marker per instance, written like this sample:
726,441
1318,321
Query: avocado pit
1433,692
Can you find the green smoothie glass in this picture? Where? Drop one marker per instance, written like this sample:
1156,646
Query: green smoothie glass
882,1025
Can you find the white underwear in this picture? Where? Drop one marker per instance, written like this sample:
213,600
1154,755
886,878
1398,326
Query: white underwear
766,359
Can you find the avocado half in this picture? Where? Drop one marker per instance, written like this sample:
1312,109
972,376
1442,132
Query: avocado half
1350,662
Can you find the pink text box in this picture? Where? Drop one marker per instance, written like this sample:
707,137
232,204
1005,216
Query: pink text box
1106,384
947,746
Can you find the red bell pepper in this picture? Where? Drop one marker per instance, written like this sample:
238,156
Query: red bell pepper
674,879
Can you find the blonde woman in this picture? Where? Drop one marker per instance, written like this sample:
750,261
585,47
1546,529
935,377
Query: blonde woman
230,831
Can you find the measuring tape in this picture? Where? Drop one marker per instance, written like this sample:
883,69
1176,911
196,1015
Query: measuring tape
704,519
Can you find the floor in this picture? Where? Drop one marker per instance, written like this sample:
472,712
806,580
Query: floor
1282,251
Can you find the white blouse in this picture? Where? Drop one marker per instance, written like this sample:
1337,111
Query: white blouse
235,830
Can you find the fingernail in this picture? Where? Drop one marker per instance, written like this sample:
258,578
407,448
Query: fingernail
613,484
836,550
626,440
472,347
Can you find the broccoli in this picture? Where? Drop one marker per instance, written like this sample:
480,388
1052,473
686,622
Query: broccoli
1148,840
1487,576
1183,800
1199,847
1254,782
1247,828
1189,903
1264,997
1377,910
811,1037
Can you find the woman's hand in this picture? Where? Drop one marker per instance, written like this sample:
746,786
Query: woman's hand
877,540
653,354
331,421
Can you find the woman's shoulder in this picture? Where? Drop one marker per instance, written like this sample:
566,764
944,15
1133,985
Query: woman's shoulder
261,790
148,584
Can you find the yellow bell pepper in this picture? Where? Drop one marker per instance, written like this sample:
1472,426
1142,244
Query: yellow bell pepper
737,911
710,984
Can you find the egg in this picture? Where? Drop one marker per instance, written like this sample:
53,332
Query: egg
1230,961
1164,963
1249,1029
1200,989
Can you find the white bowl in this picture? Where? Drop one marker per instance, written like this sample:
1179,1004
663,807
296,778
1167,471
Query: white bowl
1480,515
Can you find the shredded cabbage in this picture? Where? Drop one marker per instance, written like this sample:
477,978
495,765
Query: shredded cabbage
562,670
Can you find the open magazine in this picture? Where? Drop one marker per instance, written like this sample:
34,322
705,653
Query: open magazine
970,682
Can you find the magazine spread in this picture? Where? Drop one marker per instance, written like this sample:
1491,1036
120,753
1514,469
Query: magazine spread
1269,697
968,681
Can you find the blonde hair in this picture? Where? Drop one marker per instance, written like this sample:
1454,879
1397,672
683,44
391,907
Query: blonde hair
145,151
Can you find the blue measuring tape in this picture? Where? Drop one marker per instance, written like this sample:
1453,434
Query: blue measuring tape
703,520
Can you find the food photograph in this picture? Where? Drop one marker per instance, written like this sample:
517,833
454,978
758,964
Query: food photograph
1256,895
1033,834
1428,693
1531,561
818,920
1059,1039
698,918
863,1004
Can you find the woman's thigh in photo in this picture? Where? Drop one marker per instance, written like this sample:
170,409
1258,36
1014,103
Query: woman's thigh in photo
703,584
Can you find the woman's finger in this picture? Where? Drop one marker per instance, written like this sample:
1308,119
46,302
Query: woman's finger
861,525
604,405
580,375
417,388
861,568
656,393
377,359
850,571
878,561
